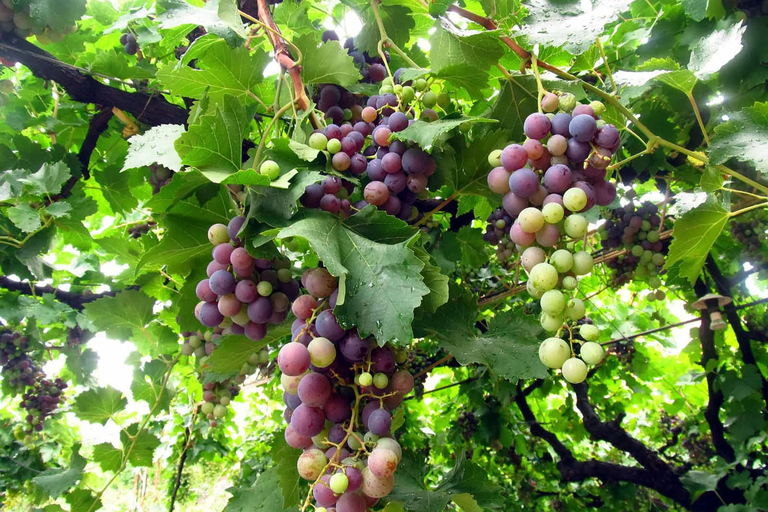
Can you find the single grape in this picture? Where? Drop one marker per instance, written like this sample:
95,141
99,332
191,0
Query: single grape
558,178
382,462
366,379
270,169
576,226
557,144
548,235
319,282
520,237
308,421
314,389
575,199
498,180
380,380
380,422
303,306
218,234
589,332
562,260
570,283
322,352
552,213
376,487
544,277
553,302
531,257
376,193
537,126
531,220
513,204
311,464
582,127
514,157
339,483
549,102
553,352
582,263
524,182
494,158
551,323
592,353
575,309
574,370
293,359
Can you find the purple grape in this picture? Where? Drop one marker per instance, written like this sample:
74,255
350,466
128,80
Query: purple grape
513,204
605,193
416,161
358,138
260,310
290,400
581,108
396,182
214,267
398,122
337,433
358,164
350,502
397,146
204,292
341,161
335,113
245,291
292,289
537,126
337,409
514,157
391,163
222,282
293,359
548,235
558,178
328,326
355,477
582,127
417,183
368,409
383,360
331,185
524,182
577,151
608,137
234,226
210,315
379,422
393,205
348,146
330,454
353,347
240,258
560,123
332,131
254,331
375,170
553,198
330,203
294,440
330,94
314,389
594,174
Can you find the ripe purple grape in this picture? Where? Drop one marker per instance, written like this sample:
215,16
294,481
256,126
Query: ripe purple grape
380,422
514,157
260,310
293,359
314,389
308,421
537,126
558,178
222,282
498,180
376,193
560,123
523,182
255,331
391,163
209,314
582,127
337,409
328,326
513,204
318,282
354,348
204,292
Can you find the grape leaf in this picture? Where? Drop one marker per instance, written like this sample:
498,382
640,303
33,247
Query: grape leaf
144,445
286,457
263,496
711,179
512,106
682,80
56,481
465,168
426,135
435,281
572,24
181,186
99,404
219,17
108,457
449,48
119,315
24,217
217,157
222,71
743,138
155,146
147,384
58,15
233,351
397,22
715,50
465,76
82,500
58,209
275,206
116,63
509,347
383,281
694,234
327,64
48,179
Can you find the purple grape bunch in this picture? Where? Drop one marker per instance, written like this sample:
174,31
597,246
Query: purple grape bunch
340,390
241,293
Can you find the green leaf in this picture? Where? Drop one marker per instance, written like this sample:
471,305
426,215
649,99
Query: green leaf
144,445
48,179
699,482
217,157
147,384
233,351
97,405
25,217
155,146
263,496
465,76
58,15
116,63
56,481
397,22
181,186
449,48
715,50
118,316
247,177
682,80
155,340
435,281
219,17
473,247
276,206
743,138
383,281
711,179
426,135
83,500
291,485
465,168
570,24
694,234
700,9
222,71
327,64
512,106
108,457
59,209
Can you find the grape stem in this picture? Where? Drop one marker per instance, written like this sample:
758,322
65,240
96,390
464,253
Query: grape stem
539,85
263,141
607,66
439,207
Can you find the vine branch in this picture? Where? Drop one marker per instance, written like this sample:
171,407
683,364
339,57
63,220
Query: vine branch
72,299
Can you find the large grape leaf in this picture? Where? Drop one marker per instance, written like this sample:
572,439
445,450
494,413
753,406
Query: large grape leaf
448,47
155,146
56,481
383,282
397,20
56,14
233,351
219,155
466,483
743,138
715,50
221,70
434,279
695,233
286,457
144,444
572,24
97,405
118,316
328,63
219,17
262,496
509,347
276,206
427,135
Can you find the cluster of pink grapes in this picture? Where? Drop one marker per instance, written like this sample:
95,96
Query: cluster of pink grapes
243,293
340,390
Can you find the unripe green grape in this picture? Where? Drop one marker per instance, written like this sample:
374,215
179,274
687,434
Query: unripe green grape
366,379
562,260
551,323
543,277
320,439
241,318
654,282
333,146
582,263
224,401
637,251
380,380
253,359
322,352
553,352
576,226
219,411
465,127
575,309
420,84
552,302
218,234
531,219
346,114
195,341
207,408
658,259
653,236
264,288
567,102
318,141
575,199
263,356
291,384
645,225
429,99
589,332
533,291
354,441
646,256
187,349
370,438
592,353
339,483
598,107
553,213
549,102
321,509
574,370
200,352
270,169
570,283
494,158
443,100
386,89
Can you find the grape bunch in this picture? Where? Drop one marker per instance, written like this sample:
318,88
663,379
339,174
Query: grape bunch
339,391
242,293
15,18
330,195
751,235
557,353
636,229
497,233
128,40
41,400
137,230
216,398
159,177
467,423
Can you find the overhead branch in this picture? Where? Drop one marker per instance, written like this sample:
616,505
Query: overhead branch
72,299
150,109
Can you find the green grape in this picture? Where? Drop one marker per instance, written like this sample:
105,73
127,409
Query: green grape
589,332
380,380
322,352
386,89
575,199
443,100
570,283
195,341
531,219
553,213
207,408
408,94
339,483
551,323
562,260
270,169
574,370
653,236
553,352
637,251
575,309
544,277
592,353
660,295
567,102
420,84
576,225
654,282
366,379
264,288
354,441
219,411
334,146
532,290
553,302
370,438
318,141
658,259
429,99
494,158
597,106
582,263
